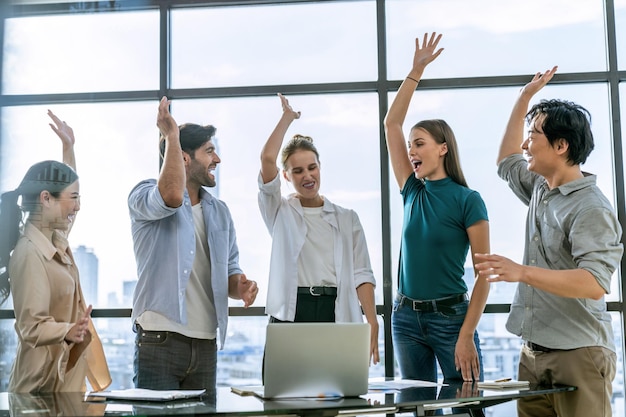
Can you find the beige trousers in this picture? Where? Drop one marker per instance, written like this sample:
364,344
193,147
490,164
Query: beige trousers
591,369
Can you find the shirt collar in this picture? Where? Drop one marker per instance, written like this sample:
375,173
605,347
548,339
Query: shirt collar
573,186
59,243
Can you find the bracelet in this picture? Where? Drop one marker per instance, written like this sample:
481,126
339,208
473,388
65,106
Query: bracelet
412,79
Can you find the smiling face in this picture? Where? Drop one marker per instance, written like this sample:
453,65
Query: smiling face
60,212
539,152
201,164
302,169
426,155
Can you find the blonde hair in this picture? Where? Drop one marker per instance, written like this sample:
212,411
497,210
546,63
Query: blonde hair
298,143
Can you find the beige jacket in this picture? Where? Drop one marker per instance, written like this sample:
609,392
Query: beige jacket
48,300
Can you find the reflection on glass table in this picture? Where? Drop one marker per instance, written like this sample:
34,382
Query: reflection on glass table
466,397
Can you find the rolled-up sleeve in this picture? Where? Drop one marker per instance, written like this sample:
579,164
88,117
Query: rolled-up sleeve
596,247
269,201
514,170
146,203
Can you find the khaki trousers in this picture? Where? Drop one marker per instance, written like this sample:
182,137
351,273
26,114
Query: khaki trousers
591,369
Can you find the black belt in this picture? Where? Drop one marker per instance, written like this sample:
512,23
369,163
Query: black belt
538,348
431,306
318,291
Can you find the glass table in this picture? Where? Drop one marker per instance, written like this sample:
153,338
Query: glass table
464,398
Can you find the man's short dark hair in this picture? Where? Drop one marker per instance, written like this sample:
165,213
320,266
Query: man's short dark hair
565,120
192,136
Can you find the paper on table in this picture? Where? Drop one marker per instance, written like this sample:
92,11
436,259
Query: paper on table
451,404
510,384
142,394
379,384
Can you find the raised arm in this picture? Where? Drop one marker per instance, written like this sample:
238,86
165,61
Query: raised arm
514,133
172,178
396,143
66,134
270,150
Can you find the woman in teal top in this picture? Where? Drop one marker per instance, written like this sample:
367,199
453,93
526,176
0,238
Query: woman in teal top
433,320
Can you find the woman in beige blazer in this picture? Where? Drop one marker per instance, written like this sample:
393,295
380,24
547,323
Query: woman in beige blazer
58,346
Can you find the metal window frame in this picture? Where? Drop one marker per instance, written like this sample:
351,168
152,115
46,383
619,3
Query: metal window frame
382,86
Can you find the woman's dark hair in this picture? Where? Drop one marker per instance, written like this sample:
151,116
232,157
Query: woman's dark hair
298,143
565,120
51,176
442,133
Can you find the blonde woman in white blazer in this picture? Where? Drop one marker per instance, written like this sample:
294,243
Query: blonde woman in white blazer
319,268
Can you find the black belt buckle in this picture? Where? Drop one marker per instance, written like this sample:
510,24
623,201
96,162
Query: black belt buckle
538,348
313,293
429,306
425,306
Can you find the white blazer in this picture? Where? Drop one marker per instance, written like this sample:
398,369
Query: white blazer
284,219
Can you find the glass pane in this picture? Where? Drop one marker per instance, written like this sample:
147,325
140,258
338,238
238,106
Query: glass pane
79,53
620,28
344,128
487,38
8,348
618,404
116,147
479,133
283,44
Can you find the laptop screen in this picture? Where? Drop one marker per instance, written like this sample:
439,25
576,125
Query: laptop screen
316,359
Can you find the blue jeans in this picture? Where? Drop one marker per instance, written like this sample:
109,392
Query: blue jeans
421,339
168,361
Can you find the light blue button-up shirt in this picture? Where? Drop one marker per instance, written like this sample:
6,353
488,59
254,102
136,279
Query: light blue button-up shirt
165,245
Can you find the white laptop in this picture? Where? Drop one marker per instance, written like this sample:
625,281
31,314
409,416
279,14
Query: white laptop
322,360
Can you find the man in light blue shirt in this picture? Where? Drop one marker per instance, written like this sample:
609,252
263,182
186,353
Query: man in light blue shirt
187,263
572,249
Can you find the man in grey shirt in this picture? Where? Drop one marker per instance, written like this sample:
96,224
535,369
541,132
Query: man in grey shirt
572,248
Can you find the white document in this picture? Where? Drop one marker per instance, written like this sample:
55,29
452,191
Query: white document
142,394
379,384
509,384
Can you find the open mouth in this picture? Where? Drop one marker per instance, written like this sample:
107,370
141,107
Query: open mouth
416,164
309,185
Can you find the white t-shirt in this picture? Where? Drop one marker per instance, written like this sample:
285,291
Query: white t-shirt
201,316
316,263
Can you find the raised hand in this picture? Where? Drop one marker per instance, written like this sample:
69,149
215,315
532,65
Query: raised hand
538,82
165,121
428,52
62,129
287,110
66,134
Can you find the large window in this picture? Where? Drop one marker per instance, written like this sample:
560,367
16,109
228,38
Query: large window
102,66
